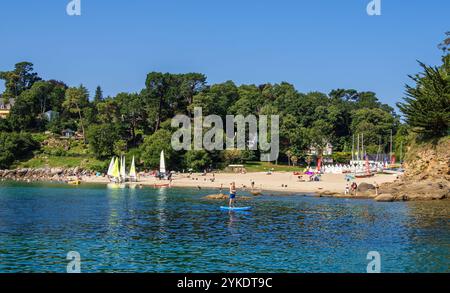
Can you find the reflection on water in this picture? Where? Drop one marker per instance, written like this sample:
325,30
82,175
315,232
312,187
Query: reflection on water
175,230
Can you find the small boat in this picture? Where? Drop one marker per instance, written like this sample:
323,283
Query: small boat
113,185
161,185
394,171
368,173
74,182
364,175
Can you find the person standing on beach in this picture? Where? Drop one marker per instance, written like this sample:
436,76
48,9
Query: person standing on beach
354,187
232,194
375,184
347,189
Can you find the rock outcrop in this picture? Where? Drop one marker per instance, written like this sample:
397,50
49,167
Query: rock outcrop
410,190
43,174
363,187
222,196
385,197
428,161
427,173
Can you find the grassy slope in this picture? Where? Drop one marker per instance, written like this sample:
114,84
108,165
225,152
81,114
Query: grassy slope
50,156
48,161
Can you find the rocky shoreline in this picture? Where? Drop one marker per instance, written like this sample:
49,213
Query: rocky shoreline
44,174
405,189
388,192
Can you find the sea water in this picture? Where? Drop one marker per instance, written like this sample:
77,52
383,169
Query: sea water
176,230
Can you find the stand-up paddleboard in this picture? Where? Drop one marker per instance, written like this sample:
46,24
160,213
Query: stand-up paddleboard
235,208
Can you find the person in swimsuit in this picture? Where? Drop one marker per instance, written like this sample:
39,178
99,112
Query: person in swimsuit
232,194
354,188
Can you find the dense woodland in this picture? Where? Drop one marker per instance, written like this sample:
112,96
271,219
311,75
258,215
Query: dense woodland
139,123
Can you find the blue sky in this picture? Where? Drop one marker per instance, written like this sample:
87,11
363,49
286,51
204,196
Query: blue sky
316,45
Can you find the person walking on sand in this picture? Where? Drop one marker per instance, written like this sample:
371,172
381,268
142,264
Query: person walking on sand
232,194
347,189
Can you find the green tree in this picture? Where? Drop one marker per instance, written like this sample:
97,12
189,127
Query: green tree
19,80
32,103
15,146
320,134
120,147
232,156
373,123
108,111
132,112
426,106
102,139
76,100
445,45
98,97
191,84
250,101
157,95
23,114
152,147
197,160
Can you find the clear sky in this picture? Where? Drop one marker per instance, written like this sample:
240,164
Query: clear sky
317,45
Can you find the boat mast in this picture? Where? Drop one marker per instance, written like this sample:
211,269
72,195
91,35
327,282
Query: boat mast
390,149
362,146
357,154
353,148
379,148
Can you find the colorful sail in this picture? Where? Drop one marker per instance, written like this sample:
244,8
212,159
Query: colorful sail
162,164
110,168
115,171
123,173
132,169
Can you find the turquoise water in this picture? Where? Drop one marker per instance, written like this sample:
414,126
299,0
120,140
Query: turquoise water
175,230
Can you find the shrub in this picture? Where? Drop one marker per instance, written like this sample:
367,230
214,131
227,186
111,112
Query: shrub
14,146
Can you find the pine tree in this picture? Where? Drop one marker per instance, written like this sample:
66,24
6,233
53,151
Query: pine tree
427,105
98,95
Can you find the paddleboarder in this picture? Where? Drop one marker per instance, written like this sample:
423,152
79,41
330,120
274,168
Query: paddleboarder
232,194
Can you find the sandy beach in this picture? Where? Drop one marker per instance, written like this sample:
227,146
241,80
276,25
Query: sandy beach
334,183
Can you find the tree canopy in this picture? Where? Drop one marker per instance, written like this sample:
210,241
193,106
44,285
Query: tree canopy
427,104
140,122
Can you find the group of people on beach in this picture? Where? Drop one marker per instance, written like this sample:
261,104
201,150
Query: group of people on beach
353,188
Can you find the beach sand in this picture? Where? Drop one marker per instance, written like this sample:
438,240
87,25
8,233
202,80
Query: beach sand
334,183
